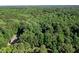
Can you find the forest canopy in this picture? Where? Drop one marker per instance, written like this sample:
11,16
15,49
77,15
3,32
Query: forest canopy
46,30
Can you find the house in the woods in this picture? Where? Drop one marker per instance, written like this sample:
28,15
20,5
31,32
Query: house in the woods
13,40
16,36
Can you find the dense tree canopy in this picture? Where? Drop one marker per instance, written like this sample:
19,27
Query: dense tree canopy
52,30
